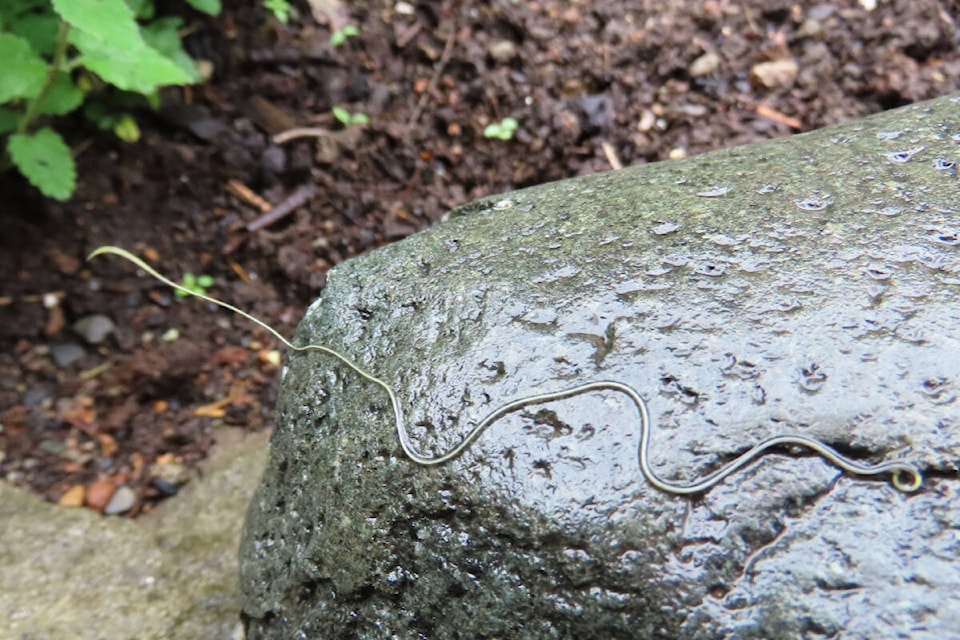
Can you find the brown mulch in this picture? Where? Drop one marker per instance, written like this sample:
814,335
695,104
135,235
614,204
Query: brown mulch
593,84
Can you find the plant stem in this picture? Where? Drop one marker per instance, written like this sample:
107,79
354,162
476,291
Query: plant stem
56,66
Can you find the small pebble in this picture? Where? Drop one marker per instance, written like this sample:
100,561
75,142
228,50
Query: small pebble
99,494
35,396
66,354
171,472
164,487
55,447
94,328
502,50
773,74
647,120
274,160
122,501
704,65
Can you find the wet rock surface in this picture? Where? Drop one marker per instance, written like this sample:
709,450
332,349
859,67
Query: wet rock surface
803,286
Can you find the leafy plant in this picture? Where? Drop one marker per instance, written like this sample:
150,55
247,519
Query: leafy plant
194,284
347,119
502,130
280,9
337,38
59,55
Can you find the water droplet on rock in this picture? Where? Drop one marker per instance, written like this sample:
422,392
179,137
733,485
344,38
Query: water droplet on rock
945,164
812,378
889,135
906,155
714,192
664,228
813,203
710,269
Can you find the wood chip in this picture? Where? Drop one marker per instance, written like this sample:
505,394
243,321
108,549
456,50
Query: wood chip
73,497
611,155
248,195
772,114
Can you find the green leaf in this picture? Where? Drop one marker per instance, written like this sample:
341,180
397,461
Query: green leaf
163,35
359,118
8,121
342,115
23,70
502,130
126,128
62,97
109,21
44,158
142,9
138,68
210,7
280,9
39,29
10,10
205,281
337,38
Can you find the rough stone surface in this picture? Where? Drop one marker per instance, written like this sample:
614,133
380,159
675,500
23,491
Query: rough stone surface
74,574
804,286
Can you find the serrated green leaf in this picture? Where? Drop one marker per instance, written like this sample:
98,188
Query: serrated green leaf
44,158
210,7
163,35
62,97
109,21
23,70
39,29
139,68
8,121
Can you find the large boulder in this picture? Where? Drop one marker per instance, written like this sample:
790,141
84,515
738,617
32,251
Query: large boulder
805,286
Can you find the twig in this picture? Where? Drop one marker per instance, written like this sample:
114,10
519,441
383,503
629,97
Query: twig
404,38
32,297
294,201
56,68
300,132
611,154
432,85
772,114
248,195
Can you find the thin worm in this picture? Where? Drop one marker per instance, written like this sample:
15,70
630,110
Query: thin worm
904,476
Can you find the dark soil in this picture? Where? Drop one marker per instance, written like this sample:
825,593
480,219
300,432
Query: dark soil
591,83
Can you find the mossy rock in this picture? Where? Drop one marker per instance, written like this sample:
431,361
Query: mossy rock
807,285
